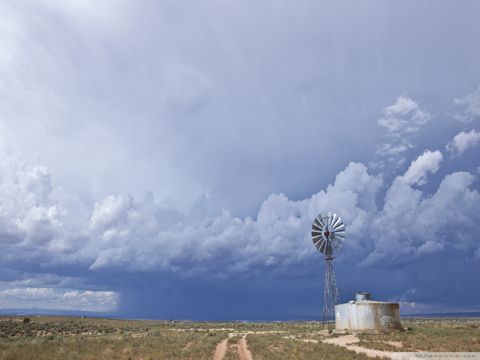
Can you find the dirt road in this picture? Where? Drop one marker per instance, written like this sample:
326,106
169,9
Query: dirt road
241,347
245,354
348,341
220,350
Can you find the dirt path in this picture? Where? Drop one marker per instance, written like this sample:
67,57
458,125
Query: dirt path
245,354
348,342
220,350
241,345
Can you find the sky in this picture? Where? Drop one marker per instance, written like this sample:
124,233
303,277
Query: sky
166,159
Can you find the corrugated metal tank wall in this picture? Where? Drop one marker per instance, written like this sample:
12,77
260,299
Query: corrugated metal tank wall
367,315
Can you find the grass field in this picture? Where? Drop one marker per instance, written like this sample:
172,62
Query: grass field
89,338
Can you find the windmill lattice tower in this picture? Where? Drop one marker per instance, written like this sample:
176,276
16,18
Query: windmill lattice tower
328,233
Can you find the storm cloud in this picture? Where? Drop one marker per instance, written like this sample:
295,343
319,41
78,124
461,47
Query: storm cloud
158,152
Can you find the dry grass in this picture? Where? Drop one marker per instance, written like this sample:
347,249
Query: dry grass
76,338
273,347
429,335
102,339
232,350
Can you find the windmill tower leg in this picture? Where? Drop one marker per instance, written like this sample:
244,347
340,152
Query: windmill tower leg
330,294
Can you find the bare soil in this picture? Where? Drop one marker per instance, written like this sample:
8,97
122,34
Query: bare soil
349,341
220,350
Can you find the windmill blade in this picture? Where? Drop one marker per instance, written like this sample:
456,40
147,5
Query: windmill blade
323,247
337,223
339,227
316,238
330,219
316,232
333,219
319,224
320,220
319,244
317,227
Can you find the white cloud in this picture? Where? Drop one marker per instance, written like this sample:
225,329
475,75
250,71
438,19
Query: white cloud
279,235
58,299
110,211
463,141
469,107
404,116
428,162
129,234
29,279
133,235
28,211
430,247
412,223
402,121
394,149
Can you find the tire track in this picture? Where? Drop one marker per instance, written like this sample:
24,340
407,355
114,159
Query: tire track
220,350
245,354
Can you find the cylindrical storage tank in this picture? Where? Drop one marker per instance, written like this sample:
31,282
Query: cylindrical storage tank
368,315
362,295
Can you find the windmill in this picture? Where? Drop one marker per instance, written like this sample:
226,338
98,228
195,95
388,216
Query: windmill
328,233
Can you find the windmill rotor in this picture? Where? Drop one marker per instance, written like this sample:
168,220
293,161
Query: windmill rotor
328,233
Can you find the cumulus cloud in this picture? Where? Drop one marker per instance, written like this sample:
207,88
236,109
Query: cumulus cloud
137,239
127,234
37,222
394,149
469,107
401,121
412,223
404,116
141,235
58,299
426,163
463,141
28,212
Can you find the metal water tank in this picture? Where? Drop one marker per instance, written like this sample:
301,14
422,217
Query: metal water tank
365,314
